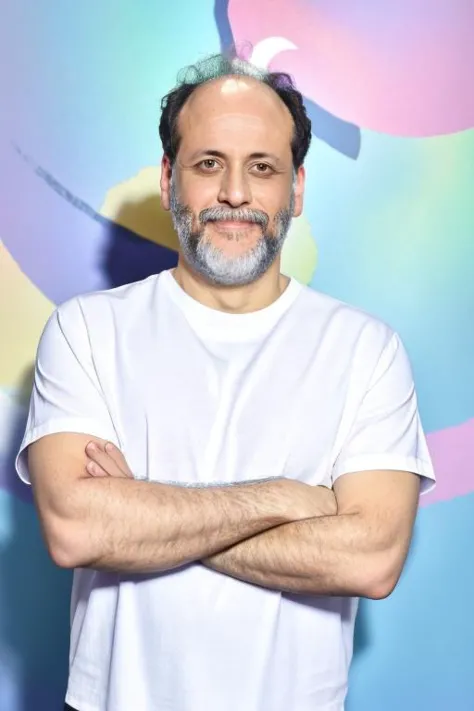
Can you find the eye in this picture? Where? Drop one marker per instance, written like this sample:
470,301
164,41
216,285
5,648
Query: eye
263,168
208,164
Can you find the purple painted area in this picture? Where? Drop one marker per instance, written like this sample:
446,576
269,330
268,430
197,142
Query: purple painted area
61,249
60,242
401,68
452,451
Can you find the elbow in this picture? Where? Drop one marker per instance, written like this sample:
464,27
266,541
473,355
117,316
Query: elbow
380,579
379,589
66,545
63,556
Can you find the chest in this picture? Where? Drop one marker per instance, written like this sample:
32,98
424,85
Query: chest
189,413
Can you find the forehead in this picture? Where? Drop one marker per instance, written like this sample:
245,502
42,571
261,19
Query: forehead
236,113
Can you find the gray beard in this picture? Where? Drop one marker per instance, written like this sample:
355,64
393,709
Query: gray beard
210,261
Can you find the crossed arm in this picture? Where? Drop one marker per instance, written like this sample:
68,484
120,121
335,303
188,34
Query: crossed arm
281,534
360,551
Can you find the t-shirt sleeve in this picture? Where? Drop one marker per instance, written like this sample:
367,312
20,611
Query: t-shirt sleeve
387,432
66,395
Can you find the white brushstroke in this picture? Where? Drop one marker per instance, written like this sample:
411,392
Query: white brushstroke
267,49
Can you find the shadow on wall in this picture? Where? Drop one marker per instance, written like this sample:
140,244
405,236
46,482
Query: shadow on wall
34,606
141,242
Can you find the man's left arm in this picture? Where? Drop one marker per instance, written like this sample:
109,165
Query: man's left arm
361,550
358,552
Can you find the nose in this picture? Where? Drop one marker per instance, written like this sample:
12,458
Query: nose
234,188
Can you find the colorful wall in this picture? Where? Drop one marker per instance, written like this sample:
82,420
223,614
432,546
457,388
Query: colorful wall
388,225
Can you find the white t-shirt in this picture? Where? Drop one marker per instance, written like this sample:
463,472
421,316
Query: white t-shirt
308,388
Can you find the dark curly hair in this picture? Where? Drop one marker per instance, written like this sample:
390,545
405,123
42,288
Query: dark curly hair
216,66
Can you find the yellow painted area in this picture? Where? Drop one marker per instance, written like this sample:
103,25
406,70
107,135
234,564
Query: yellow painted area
135,204
24,311
300,255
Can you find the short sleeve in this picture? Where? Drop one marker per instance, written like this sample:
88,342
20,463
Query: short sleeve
66,394
387,432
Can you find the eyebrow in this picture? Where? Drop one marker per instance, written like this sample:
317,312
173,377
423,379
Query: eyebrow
221,154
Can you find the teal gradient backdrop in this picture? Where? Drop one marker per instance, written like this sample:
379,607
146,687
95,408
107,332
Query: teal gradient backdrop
388,225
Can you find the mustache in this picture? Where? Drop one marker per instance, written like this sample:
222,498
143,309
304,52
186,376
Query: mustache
241,214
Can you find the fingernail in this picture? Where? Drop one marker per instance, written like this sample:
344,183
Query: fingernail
92,446
109,447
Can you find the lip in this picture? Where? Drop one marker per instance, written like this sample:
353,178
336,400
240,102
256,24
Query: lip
233,224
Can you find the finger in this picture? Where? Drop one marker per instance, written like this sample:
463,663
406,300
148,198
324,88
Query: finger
98,455
115,453
95,445
95,470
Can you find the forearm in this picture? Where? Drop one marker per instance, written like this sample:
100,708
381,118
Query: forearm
129,525
330,555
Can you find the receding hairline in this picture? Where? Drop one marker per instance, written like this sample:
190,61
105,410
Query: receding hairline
240,79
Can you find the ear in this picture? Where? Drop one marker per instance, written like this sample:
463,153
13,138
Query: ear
299,191
165,182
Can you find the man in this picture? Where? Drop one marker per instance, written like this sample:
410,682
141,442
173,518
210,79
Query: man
229,459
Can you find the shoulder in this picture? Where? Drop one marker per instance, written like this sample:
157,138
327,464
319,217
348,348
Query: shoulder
91,319
344,325
99,307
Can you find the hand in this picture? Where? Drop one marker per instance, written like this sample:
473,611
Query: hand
105,459
306,501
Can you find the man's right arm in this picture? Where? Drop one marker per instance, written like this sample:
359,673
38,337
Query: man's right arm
123,524
137,526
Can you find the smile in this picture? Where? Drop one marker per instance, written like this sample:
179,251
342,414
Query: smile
233,224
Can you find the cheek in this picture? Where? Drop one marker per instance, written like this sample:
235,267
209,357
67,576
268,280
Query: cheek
198,192
271,196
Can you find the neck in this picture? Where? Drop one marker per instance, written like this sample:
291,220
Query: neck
238,299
